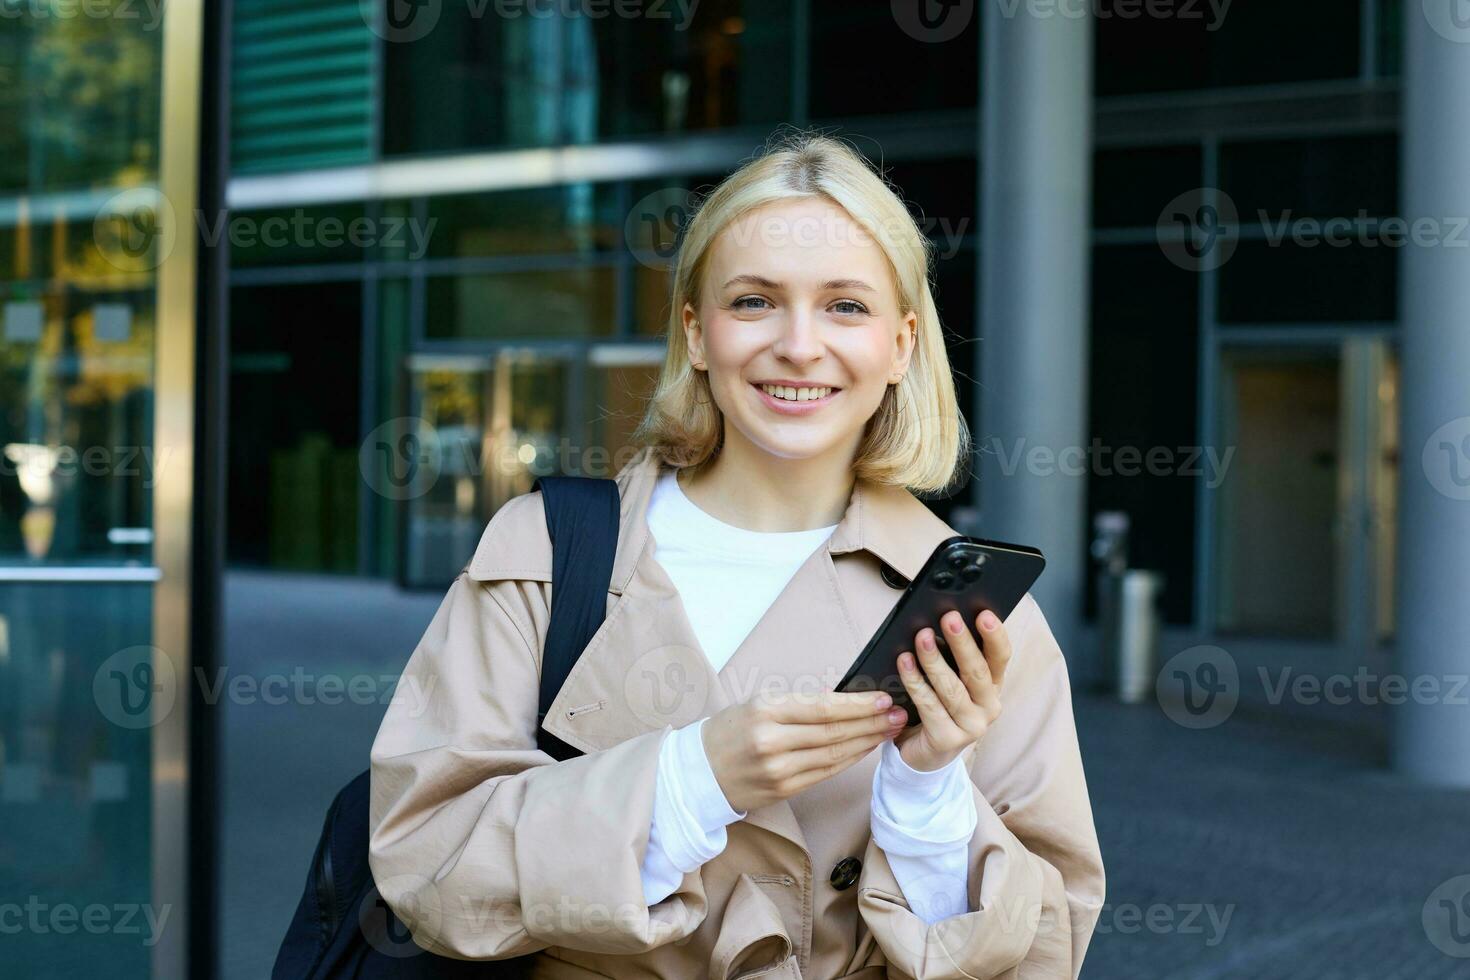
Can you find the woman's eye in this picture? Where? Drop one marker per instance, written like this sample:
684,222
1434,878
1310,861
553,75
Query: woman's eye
743,303
849,307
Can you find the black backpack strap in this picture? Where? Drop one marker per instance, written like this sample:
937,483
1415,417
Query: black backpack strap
582,520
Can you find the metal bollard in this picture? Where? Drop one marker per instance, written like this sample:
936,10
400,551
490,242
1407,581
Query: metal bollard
1136,640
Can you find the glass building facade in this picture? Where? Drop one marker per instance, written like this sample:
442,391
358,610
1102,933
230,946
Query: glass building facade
527,313
447,245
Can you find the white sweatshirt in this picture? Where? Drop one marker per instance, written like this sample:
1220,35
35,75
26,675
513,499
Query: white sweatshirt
727,577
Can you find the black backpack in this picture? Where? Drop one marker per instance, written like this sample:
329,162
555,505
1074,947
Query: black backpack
342,929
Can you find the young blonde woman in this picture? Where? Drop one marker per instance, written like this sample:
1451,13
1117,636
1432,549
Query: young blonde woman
733,816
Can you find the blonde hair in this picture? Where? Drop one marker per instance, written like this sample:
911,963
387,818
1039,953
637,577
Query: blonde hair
917,438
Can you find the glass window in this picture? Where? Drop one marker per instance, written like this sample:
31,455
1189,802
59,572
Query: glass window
77,467
540,74
533,304
1132,185
941,195
296,373
1319,178
878,58
303,85
302,236
1142,392
104,131
1390,38
75,800
1291,283
575,218
490,426
1194,46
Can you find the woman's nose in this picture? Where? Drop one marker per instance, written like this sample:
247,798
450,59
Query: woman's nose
799,341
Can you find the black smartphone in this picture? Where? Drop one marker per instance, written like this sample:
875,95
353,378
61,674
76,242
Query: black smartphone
966,574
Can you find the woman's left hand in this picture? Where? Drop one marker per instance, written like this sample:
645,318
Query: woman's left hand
954,709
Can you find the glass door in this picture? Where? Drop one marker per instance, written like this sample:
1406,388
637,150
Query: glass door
1304,519
483,427
96,335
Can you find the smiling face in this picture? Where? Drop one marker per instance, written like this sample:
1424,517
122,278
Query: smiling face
799,327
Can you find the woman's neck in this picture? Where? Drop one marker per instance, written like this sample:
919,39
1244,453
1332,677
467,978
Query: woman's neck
752,489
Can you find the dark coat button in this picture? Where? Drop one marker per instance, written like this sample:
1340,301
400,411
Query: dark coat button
892,577
845,873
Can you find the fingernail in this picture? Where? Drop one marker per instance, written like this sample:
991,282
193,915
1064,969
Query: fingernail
926,640
897,715
882,701
906,660
988,620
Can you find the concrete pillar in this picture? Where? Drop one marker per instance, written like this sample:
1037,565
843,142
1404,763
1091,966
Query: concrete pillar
1032,360
1431,741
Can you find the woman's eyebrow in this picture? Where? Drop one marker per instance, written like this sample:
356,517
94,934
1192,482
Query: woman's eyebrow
828,286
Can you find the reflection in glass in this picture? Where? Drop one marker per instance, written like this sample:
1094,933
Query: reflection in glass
1278,517
79,96
560,76
572,218
77,467
75,777
533,304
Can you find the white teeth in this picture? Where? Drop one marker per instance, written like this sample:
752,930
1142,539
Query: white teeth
788,393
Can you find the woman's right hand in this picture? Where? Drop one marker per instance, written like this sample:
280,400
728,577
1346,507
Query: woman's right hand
771,748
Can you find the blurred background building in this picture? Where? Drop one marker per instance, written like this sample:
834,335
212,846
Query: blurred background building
284,227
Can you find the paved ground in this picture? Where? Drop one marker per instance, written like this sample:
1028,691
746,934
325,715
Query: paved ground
1264,848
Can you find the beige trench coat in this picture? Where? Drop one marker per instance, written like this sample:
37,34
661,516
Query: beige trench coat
488,848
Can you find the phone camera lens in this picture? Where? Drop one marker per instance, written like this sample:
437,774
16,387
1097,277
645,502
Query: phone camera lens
970,572
958,561
943,580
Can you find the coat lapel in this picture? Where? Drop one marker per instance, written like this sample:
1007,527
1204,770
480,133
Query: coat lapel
644,668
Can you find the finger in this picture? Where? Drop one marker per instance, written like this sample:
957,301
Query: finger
808,708
801,736
932,712
810,766
940,676
973,669
997,641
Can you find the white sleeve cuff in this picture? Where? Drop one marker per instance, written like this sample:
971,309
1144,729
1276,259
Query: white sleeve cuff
690,811
700,789
917,813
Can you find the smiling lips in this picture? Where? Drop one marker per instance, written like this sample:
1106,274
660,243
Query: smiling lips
794,399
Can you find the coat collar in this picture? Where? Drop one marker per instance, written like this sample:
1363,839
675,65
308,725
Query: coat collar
644,670
888,521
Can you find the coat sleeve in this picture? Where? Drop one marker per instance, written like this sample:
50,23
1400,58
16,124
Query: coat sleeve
1035,882
482,844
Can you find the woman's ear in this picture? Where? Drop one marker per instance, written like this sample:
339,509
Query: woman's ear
693,337
903,346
